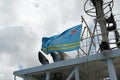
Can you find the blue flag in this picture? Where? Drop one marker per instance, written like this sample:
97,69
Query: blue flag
67,41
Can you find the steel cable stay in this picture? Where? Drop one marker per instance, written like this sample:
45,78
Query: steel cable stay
88,38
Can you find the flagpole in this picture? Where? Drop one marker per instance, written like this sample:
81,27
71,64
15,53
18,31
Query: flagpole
78,52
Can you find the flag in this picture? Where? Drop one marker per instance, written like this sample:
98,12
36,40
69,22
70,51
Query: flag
67,41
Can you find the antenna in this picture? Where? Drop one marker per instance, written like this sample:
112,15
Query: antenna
99,9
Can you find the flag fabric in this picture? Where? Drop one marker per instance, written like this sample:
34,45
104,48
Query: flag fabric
67,41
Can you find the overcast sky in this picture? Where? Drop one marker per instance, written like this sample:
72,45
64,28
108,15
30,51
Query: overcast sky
23,23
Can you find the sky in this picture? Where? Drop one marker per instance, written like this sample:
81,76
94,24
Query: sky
23,23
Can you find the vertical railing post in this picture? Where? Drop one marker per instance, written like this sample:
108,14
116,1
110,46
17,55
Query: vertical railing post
77,73
111,69
48,76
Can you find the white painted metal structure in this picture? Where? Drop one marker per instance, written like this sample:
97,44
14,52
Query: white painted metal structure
91,67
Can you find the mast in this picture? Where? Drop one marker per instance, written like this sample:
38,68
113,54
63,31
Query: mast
101,9
98,4
100,18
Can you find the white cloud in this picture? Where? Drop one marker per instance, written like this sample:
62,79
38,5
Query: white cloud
16,47
22,25
24,22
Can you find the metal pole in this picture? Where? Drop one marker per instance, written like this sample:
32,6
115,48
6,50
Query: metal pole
48,76
77,73
25,78
71,75
111,69
78,52
101,19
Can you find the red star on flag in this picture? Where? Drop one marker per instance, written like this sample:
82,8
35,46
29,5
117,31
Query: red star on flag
73,31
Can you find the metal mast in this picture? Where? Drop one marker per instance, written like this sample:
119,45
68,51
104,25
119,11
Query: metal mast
101,19
104,46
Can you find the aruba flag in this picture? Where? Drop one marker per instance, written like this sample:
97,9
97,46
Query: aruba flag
67,41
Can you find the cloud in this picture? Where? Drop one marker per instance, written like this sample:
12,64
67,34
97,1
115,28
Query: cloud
17,47
23,23
22,26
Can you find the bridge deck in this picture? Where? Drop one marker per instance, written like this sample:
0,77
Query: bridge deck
90,67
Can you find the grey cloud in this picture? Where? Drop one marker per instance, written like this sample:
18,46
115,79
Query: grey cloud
17,46
13,38
58,13
7,12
